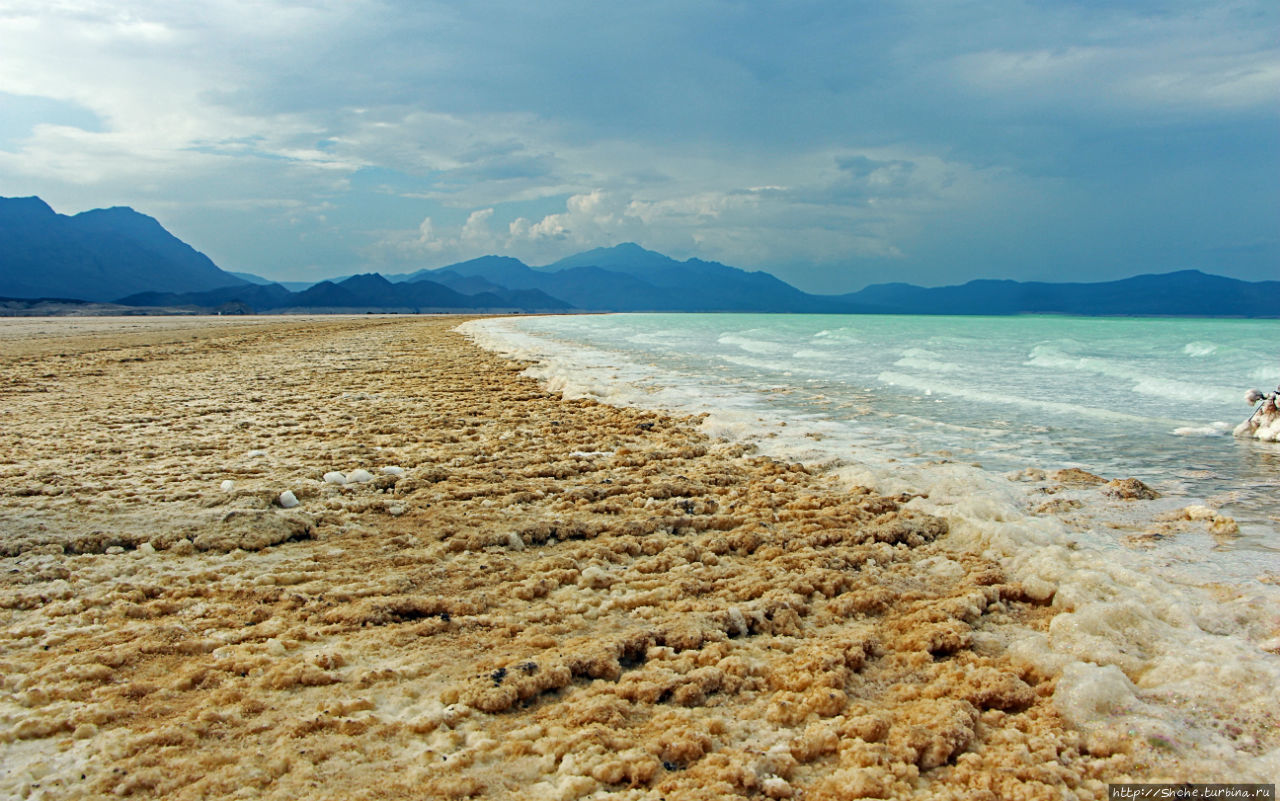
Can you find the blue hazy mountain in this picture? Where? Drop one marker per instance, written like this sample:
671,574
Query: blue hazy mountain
368,291
697,285
586,288
120,255
251,278
295,286
1185,293
629,278
97,255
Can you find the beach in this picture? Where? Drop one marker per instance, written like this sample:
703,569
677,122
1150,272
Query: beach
475,588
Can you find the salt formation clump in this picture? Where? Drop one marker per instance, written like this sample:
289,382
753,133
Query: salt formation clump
334,477
392,470
1220,525
228,485
1087,693
1264,423
287,499
359,476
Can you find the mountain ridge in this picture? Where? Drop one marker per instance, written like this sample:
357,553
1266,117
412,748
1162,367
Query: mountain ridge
123,256
96,255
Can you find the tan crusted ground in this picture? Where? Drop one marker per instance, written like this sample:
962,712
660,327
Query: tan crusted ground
557,599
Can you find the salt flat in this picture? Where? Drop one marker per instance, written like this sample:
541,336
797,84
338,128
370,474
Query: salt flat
548,599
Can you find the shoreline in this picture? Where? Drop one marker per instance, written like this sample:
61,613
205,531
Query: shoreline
555,599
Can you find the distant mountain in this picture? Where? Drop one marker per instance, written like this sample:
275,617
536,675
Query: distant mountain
251,278
586,288
97,255
696,285
630,278
247,297
118,255
365,292
1187,293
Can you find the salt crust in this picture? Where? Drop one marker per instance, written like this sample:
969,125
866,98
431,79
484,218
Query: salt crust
573,601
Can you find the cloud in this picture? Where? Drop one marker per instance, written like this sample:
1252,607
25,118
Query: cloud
281,134
849,205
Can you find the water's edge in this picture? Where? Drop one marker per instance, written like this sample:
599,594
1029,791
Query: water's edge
1182,664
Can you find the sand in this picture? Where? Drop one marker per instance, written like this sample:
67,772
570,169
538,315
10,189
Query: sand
549,599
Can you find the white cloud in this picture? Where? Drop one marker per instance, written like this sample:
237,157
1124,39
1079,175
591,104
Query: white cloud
1204,59
853,204
723,142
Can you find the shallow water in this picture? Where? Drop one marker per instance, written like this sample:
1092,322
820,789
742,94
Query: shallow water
961,408
1150,398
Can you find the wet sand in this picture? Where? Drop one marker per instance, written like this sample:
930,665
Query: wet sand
552,600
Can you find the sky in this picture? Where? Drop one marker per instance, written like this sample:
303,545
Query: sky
834,143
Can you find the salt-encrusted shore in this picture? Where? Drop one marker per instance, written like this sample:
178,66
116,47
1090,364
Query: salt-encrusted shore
546,599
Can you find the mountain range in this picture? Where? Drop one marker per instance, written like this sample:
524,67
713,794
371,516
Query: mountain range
119,255
97,255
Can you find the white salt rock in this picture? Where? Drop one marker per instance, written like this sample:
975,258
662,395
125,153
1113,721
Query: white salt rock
359,476
514,542
1198,512
1087,692
1222,525
227,485
392,470
395,510
287,499
255,454
334,477
276,648
1038,589
595,578
777,787
146,549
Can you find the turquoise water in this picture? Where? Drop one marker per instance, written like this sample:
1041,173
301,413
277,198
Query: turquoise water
1149,398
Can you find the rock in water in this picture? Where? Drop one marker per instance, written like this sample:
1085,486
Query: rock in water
1130,489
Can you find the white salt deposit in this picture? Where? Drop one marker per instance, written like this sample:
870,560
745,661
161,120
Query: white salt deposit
334,477
1214,429
359,476
227,485
255,454
392,470
287,499
1088,694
